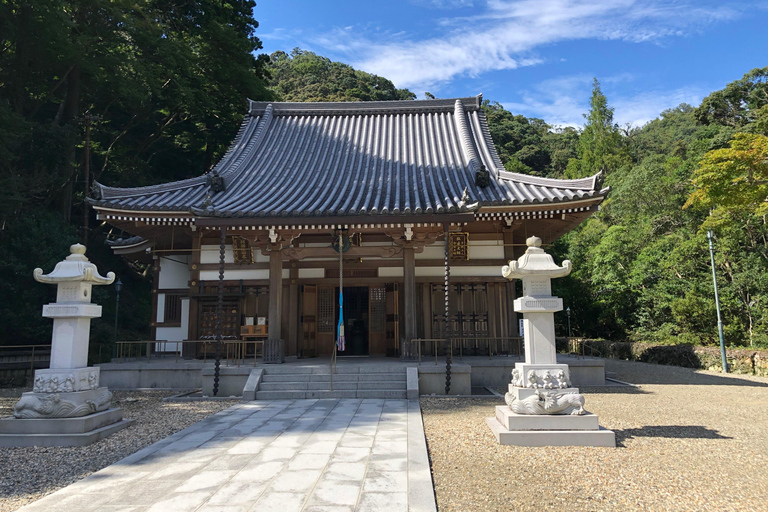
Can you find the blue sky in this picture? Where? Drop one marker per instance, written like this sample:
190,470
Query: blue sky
535,57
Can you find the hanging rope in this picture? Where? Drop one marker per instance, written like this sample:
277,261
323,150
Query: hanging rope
447,312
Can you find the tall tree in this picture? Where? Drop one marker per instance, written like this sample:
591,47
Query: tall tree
740,104
600,143
734,180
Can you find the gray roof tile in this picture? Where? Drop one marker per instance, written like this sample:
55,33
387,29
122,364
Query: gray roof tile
364,158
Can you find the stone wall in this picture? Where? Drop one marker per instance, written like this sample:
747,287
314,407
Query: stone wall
742,360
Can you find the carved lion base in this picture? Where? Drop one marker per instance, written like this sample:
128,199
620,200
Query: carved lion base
547,402
62,405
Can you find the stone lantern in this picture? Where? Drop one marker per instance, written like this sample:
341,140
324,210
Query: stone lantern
66,407
543,409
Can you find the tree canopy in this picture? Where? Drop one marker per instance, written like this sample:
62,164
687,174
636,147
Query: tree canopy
306,76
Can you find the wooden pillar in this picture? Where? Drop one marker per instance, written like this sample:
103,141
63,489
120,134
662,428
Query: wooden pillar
275,293
293,312
509,255
409,295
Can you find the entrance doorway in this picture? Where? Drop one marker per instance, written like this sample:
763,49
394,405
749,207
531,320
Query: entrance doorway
355,320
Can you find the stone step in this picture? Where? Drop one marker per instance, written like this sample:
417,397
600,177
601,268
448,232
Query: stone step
325,370
380,385
343,377
361,393
324,386
280,395
283,386
378,377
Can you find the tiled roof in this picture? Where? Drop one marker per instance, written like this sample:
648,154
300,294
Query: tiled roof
362,158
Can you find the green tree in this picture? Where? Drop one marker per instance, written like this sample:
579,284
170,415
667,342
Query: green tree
600,143
740,104
733,180
306,76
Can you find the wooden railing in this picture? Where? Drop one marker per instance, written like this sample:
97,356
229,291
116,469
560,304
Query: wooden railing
509,346
21,356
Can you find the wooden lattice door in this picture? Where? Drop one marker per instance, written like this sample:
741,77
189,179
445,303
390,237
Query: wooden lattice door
377,318
309,321
393,320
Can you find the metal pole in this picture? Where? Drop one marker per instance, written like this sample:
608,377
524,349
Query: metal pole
568,313
118,287
717,303
219,311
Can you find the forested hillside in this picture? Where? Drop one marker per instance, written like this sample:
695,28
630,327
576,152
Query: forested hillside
641,265
306,76
161,88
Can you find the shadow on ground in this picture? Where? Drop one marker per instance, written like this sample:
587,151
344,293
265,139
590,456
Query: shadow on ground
668,431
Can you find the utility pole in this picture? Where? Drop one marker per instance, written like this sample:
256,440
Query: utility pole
717,302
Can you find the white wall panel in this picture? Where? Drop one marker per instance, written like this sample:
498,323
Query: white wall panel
174,272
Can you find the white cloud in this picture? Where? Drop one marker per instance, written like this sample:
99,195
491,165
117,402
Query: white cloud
443,4
563,101
505,34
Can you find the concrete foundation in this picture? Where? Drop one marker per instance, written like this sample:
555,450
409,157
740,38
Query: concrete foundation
160,374
232,380
602,437
432,380
512,421
80,431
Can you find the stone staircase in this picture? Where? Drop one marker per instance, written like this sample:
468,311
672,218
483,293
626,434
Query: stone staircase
286,382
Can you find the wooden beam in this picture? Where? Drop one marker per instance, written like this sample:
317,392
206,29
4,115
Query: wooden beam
409,293
275,294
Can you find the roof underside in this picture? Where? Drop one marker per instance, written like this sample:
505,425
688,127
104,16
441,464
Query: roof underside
340,159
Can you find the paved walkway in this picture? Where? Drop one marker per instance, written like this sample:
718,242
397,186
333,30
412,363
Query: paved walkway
286,455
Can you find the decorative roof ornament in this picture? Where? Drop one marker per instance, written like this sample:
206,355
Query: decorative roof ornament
74,268
482,177
464,204
96,190
535,261
216,182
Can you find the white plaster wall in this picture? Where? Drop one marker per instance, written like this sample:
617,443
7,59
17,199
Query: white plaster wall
485,250
456,271
173,274
391,272
160,307
311,273
173,333
210,254
432,252
213,275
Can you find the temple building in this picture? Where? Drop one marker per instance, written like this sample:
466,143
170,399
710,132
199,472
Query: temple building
385,184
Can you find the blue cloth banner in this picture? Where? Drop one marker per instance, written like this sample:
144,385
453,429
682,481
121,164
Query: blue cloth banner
340,341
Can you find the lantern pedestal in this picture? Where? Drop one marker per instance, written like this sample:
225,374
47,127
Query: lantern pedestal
66,407
543,409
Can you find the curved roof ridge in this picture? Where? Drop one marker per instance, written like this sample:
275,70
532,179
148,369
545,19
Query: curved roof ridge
459,116
229,168
470,103
109,192
588,183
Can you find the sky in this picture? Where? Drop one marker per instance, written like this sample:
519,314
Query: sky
535,57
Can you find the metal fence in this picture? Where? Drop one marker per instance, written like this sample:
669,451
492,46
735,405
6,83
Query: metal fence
234,352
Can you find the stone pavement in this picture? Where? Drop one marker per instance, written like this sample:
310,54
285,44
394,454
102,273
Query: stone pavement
282,455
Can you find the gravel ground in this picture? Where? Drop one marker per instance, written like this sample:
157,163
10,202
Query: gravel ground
687,440
28,474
